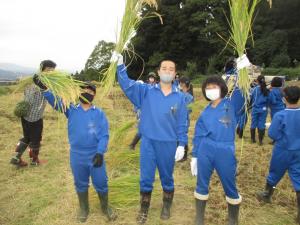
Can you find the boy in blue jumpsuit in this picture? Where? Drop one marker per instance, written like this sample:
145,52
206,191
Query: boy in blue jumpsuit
184,84
88,137
276,104
285,131
163,124
214,146
259,100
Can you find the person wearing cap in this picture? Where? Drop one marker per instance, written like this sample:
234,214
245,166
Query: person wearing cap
32,123
88,134
151,78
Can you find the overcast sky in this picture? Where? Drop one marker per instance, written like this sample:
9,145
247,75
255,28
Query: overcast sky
65,31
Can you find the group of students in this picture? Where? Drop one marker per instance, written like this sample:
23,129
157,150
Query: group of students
163,129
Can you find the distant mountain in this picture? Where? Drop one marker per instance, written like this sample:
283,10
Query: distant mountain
10,71
8,75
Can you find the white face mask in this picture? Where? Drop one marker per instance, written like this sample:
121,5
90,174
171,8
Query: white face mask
166,78
212,94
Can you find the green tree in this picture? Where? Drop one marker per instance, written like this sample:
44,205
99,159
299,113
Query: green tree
99,60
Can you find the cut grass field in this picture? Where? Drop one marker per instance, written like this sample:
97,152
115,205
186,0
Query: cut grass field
45,195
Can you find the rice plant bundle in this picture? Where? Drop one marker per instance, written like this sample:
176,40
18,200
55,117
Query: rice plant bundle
131,21
62,85
22,108
241,14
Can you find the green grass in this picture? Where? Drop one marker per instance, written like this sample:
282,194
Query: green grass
4,90
45,195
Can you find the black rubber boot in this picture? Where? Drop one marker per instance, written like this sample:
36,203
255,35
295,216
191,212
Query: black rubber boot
167,203
83,198
35,156
200,210
17,159
145,204
265,195
252,133
233,214
135,140
298,205
110,214
261,134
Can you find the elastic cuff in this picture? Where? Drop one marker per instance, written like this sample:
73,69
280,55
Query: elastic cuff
200,197
121,67
169,191
182,144
145,192
233,201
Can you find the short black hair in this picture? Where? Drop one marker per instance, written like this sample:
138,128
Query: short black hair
291,94
47,63
89,85
165,60
217,81
276,82
185,80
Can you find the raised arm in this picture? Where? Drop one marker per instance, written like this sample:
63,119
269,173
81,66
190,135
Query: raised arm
135,91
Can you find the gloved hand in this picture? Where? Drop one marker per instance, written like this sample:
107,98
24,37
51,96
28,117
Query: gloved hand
117,57
179,153
194,167
98,160
38,82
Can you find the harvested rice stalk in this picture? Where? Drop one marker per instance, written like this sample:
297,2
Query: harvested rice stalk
241,14
62,85
241,19
131,21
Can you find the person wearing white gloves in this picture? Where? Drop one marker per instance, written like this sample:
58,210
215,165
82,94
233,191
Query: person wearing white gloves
162,124
214,148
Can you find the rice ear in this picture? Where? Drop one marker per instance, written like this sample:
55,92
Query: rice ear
132,19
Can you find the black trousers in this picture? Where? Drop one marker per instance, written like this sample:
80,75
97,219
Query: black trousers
32,133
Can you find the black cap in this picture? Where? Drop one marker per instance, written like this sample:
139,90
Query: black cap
151,74
89,85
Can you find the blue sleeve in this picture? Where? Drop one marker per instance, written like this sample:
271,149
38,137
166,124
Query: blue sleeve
135,91
182,125
197,137
272,98
238,101
103,134
275,130
56,103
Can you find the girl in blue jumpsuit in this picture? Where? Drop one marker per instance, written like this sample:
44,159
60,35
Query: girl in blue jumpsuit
88,137
163,124
285,131
214,147
276,104
259,100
